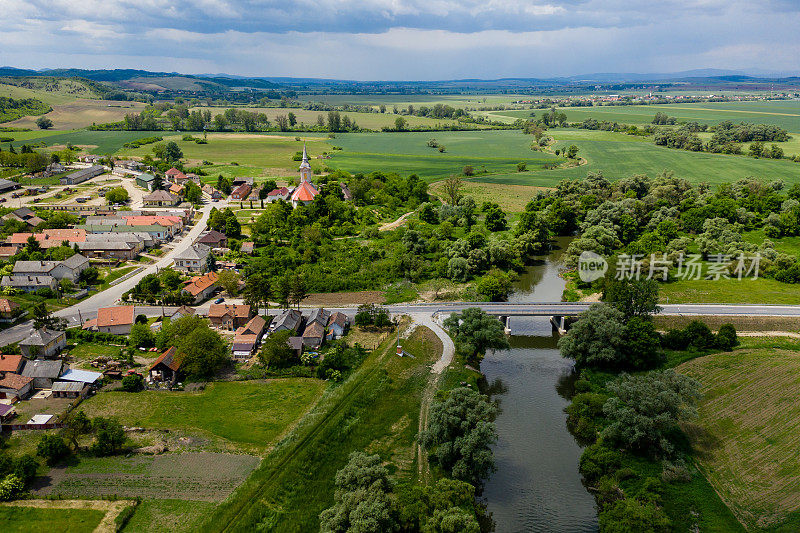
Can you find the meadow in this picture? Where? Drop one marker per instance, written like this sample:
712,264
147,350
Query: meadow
747,434
18,519
248,416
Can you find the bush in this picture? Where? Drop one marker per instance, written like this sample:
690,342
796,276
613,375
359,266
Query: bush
598,461
631,515
726,337
133,383
52,448
10,487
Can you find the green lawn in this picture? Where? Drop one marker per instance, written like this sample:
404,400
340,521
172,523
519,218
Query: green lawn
27,519
247,415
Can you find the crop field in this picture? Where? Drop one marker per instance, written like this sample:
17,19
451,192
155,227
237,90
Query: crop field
417,100
97,142
81,113
175,516
407,153
19,519
247,416
267,151
748,433
783,113
372,121
187,476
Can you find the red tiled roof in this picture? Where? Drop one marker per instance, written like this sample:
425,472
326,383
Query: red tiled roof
220,310
14,381
173,172
201,283
305,192
115,316
6,305
280,191
10,363
169,359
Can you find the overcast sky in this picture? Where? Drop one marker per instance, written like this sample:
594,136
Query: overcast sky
401,39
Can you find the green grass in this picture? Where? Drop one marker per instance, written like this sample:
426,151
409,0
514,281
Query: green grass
730,291
101,142
115,275
247,415
176,516
747,430
406,153
376,410
27,519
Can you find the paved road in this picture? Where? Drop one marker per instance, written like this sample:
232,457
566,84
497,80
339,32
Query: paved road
87,309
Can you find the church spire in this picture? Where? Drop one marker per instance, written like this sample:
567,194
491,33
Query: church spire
305,167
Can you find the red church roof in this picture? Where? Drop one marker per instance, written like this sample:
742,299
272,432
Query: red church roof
305,192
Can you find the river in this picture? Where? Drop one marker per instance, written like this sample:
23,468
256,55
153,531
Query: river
536,486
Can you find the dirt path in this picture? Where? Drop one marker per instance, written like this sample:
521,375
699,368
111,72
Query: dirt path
107,525
438,368
396,224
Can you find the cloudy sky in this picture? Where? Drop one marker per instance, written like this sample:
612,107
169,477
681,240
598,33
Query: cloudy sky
401,39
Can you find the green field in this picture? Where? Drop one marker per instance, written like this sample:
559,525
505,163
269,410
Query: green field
747,433
99,142
175,516
783,113
243,415
27,519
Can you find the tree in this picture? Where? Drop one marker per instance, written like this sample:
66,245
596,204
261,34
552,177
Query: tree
172,152
77,424
496,219
211,263
460,434
629,515
495,286
645,410
522,166
43,319
117,195
451,188
44,123
596,338
229,281
400,124
257,291
133,383
109,436
298,290
141,336
202,352
276,352
292,118
10,486
362,498
468,170
726,337
634,297
52,448
474,332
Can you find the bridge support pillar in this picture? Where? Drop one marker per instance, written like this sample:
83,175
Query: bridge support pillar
505,320
559,324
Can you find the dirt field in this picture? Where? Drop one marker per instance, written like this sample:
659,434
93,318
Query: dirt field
512,198
81,113
748,433
187,476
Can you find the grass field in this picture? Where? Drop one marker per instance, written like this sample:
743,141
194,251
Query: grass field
376,410
175,516
748,431
81,113
97,142
247,416
47,90
27,519
732,291
783,113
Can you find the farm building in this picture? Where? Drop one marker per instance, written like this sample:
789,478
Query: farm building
9,310
85,377
167,368
79,176
161,198
14,385
69,389
7,413
8,185
43,372
146,181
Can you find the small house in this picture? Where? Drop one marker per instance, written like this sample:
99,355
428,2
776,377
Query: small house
214,239
146,181
43,372
116,320
43,343
313,335
14,385
201,287
337,325
248,336
230,317
192,259
291,320
181,312
161,198
10,363
241,192
247,247
166,368
69,389
7,413
9,310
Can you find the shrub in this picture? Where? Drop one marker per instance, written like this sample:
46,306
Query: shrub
726,337
52,448
598,461
133,383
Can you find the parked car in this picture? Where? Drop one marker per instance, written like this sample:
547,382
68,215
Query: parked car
219,300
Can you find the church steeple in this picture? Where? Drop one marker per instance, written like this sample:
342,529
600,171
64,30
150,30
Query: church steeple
305,167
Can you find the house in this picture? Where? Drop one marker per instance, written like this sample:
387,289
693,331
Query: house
337,325
14,385
84,377
24,214
244,180
11,363
202,287
213,239
49,238
69,389
318,316
230,317
8,185
161,198
44,372
212,192
181,312
192,259
291,320
79,176
69,268
43,343
296,344
29,283
248,336
110,249
146,181
9,310
281,193
115,320
7,413
313,335
241,192
247,247
176,189
171,173
7,252
167,368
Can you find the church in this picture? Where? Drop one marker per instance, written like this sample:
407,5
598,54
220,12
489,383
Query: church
306,191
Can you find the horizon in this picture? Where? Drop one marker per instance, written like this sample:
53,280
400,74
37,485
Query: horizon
404,40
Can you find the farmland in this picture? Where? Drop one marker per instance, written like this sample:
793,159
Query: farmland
19,519
247,416
748,429
186,476
176,516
